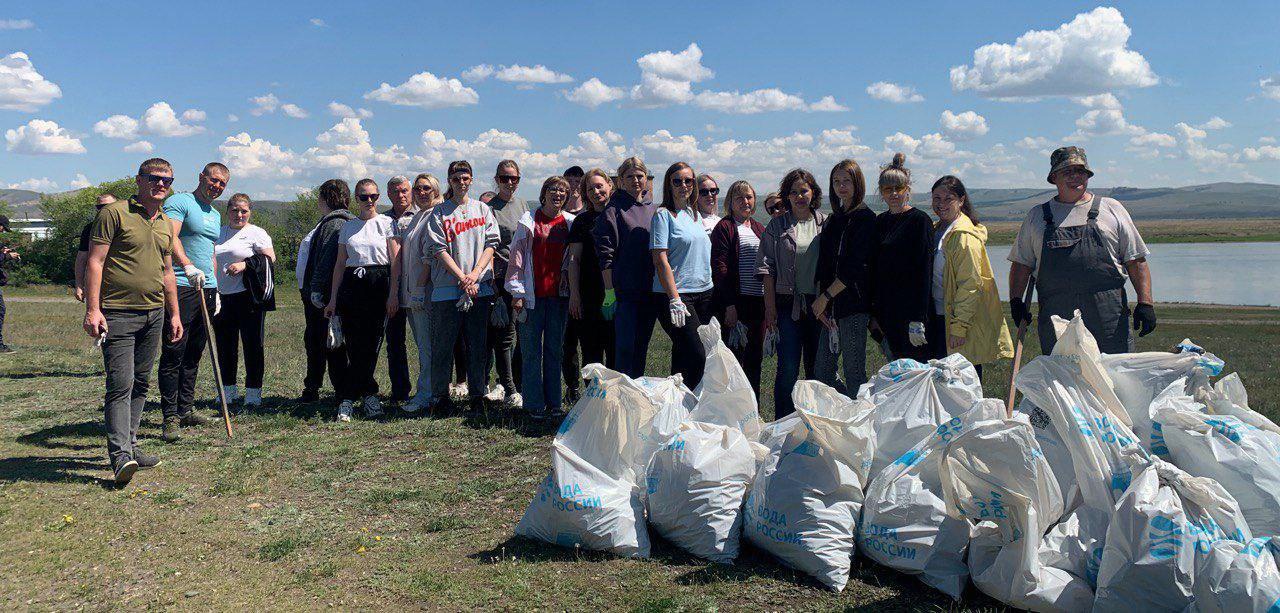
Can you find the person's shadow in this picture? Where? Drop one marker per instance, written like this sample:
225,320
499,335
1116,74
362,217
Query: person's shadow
52,469
65,436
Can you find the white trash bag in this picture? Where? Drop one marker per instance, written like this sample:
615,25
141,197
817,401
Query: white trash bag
804,504
1242,458
1054,450
1228,397
1239,577
995,476
912,399
725,395
1139,377
695,488
1163,529
591,497
1075,341
905,524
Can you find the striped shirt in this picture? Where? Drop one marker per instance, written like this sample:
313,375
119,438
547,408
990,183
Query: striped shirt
748,262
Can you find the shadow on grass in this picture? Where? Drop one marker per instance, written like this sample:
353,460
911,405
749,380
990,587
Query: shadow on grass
44,469
530,550
51,374
61,435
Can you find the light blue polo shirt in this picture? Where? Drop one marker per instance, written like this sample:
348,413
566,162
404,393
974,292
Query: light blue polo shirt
688,250
201,225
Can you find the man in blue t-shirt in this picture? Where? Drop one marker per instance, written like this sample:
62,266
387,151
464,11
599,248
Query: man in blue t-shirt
196,223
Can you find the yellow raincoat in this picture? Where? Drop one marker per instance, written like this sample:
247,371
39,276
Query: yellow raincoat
971,301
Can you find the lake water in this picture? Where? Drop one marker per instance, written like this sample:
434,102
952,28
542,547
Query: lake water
1219,273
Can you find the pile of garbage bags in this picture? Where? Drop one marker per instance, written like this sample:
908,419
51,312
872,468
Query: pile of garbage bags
1127,481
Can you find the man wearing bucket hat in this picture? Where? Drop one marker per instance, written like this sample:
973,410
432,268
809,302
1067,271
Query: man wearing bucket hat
1081,248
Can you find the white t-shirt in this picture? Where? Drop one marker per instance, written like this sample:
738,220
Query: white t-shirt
709,221
939,268
366,241
237,246
1117,228
304,252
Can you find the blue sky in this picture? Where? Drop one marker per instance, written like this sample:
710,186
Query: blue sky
1169,93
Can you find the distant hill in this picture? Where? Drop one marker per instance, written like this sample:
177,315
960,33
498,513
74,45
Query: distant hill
1210,201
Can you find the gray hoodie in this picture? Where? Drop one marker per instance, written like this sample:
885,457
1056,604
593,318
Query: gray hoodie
324,252
463,230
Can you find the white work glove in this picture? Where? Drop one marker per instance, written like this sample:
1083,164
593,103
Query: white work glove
738,336
770,342
833,340
465,303
194,275
317,300
915,333
679,312
217,303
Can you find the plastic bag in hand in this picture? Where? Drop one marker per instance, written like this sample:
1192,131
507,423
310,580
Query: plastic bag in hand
738,336
833,340
770,342
334,339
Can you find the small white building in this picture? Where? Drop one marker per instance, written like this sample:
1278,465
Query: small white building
36,228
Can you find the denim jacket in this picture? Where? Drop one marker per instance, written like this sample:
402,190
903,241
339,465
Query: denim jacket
778,251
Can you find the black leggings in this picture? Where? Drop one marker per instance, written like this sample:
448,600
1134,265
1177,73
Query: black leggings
687,355
239,321
362,305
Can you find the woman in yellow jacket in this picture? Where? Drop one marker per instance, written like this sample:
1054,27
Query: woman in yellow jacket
967,318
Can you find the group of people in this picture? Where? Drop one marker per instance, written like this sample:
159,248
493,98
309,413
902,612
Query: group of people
587,270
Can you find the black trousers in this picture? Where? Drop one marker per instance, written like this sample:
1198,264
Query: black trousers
751,314
180,361
594,334
314,339
362,305
687,355
895,332
240,322
501,347
460,361
397,358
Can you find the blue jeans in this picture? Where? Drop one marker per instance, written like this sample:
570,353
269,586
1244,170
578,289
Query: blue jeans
852,331
446,323
542,348
797,341
419,321
632,328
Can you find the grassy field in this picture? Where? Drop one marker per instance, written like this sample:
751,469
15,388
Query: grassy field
300,512
1174,231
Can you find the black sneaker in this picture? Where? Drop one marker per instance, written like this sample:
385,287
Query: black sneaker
537,414
7,349
193,419
443,407
144,459
309,396
124,467
478,405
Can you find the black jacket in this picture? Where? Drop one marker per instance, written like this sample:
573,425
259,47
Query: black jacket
847,253
260,282
318,276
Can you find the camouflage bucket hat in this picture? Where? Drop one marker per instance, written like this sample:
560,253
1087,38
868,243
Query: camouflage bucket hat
1065,157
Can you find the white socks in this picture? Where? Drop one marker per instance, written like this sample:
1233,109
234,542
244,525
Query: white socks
252,396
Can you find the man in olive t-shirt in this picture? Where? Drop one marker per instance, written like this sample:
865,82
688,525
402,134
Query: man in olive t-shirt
129,285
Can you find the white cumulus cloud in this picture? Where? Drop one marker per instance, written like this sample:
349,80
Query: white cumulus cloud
117,126
1088,55
21,87
827,104
293,111
338,109
967,125
41,137
264,104
538,74
141,146
593,92
255,157
1265,152
478,73
425,90
195,115
1215,123
1270,87
80,181
160,120
1033,143
16,24
42,184
683,66
1099,101
1156,139
892,92
758,101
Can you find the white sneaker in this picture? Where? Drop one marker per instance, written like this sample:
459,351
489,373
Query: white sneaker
458,390
345,410
231,393
514,400
496,393
372,408
252,397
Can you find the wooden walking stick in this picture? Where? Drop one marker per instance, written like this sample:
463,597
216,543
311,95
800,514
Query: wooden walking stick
217,371
1017,349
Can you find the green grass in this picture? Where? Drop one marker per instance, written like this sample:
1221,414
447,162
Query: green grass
299,512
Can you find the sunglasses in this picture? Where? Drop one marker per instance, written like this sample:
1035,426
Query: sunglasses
368,197
163,181
709,192
679,181
509,179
